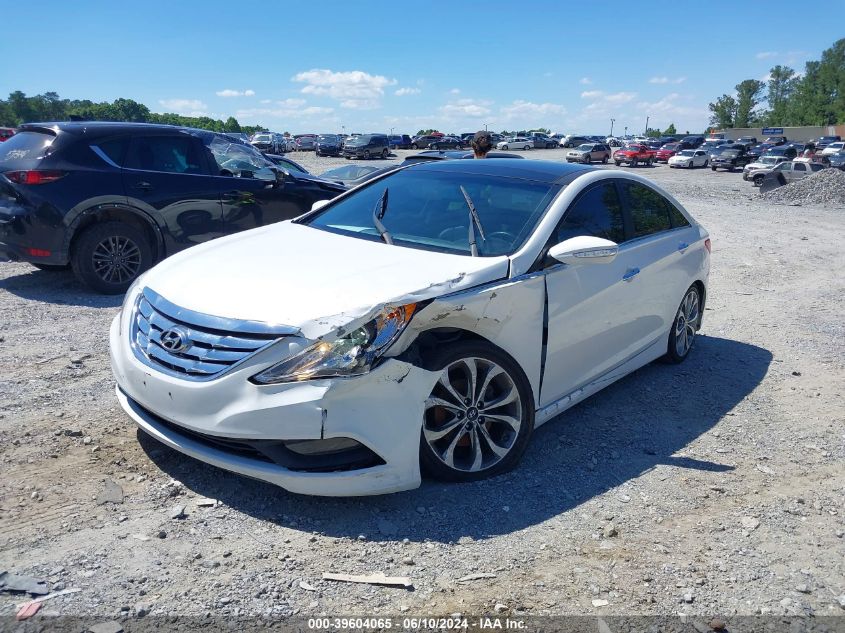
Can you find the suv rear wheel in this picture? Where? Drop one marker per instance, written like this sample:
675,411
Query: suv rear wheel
108,257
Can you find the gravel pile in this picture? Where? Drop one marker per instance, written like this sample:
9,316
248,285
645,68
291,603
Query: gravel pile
824,187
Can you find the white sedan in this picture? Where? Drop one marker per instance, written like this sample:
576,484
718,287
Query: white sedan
690,158
517,142
424,322
831,149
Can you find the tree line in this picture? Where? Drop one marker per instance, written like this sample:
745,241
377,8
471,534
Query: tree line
19,108
787,98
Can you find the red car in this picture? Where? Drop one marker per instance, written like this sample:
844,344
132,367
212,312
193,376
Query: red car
634,155
6,133
666,152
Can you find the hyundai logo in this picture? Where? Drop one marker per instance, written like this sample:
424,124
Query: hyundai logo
175,340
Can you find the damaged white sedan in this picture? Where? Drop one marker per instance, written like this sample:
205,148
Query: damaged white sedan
425,322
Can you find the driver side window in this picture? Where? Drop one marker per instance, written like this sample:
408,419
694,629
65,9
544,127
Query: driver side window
598,213
235,159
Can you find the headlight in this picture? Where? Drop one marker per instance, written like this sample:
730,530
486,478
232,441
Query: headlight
351,355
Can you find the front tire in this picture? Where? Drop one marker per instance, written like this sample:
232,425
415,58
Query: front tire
108,257
366,154
479,416
504,146
686,324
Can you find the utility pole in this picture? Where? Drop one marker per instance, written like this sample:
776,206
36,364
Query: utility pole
485,127
612,121
626,130
646,127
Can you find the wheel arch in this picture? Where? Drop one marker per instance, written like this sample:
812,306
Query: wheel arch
116,213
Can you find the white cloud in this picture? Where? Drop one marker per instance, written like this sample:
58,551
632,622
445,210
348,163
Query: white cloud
407,91
591,94
186,107
292,103
585,81
766,54
466,107
667,80
523,110
285,110
620,97
354,89
228,92
455,91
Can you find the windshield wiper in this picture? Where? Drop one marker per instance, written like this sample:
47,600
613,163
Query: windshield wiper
378,213
474,221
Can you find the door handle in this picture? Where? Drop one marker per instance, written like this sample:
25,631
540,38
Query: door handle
142,185
232,195
630,274
683,246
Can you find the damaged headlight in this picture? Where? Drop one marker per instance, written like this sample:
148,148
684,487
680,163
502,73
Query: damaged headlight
351,355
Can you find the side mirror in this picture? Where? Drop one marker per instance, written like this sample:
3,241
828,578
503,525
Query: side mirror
319,204
585,249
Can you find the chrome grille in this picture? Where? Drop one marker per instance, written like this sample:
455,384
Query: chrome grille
207,351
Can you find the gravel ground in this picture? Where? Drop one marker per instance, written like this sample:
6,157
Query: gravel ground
715,487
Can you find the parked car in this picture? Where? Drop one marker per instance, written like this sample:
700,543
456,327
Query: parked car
572,140
633,155
447,142
327,145
122,196
776,140
782,150
268,142
730,158
666,152
833,148
423,357
305,142
748,141
785,173
759,150
588,152
6,133
692,142
543,141
400,141
288,164
837,160
367,146
690,158
715,136
766,163
515,142
349,175
424,140
824,141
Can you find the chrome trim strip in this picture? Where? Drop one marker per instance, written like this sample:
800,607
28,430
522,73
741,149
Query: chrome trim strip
213,322
103,155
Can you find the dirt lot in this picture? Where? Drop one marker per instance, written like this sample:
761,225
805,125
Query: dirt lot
716,487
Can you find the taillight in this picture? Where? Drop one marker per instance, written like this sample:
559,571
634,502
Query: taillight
707,245
37,252
35,176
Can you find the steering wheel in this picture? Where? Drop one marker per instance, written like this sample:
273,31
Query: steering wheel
504,238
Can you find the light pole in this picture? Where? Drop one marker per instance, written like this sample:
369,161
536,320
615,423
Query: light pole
612,121
391,131
485,127
626,130
646,127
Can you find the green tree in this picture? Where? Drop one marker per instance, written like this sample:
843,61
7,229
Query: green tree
723,112
748,94
781,85
231,125
670,131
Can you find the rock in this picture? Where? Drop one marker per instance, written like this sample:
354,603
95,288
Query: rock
386,527
717,624
87,440
624,498
111,493
688,597
73,433
142,609
225,600
610,530
407,561
600,603
840,533
106,627
161,534
750,523
841,600
500,608
802,588
362,537
177,512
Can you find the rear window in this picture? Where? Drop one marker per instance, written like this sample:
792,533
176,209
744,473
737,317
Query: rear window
24,147
114,149
649,210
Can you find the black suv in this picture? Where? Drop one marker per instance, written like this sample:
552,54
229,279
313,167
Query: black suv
367,146
111,199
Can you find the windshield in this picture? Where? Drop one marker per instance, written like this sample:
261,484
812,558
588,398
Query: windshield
687,152
261,138
427,210
585,147
670,147
768,160
233,158
728,153
327,138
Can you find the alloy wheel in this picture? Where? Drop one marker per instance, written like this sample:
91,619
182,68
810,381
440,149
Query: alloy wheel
116,259
686,322
473,415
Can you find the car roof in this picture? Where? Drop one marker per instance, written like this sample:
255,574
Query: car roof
537,170
435,154
104,127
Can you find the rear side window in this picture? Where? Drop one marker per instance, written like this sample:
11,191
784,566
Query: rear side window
170,154
598,213
649,210
24,148
115,149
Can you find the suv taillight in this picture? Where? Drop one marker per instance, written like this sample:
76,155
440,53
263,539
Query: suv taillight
35,176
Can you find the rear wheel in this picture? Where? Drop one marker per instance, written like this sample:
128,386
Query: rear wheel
617,163
479,416
634,162
684,327
415,146
604,159
384,153
108,257
504,146
525,147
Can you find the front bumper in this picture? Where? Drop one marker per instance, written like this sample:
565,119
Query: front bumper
381,410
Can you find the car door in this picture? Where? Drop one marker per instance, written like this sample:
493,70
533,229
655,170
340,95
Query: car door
595,311
798,171
168,176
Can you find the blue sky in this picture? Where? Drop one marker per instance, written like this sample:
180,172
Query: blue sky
372,66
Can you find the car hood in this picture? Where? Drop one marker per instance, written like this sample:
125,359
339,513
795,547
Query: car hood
310,279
